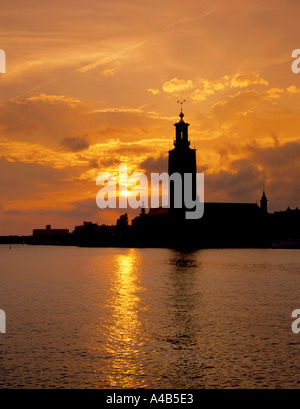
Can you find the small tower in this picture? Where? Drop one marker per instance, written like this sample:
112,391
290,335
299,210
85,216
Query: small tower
181,136
264,202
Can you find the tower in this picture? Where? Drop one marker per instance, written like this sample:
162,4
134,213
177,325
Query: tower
264,202
182,159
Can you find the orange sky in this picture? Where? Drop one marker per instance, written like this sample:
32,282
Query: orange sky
92,84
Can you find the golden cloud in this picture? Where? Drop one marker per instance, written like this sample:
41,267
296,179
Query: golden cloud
208,87
244,80
177,85
153,91
55,99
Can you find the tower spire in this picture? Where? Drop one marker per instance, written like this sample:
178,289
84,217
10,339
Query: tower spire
264,201
181,102
181,135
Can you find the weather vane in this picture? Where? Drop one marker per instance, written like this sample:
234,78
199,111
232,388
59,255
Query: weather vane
181,102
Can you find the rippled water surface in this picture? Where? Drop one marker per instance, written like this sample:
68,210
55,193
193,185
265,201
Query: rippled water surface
153,318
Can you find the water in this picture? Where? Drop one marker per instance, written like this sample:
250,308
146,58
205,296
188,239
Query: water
152,318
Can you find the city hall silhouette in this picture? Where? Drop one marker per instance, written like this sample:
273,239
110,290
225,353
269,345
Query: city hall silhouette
223,225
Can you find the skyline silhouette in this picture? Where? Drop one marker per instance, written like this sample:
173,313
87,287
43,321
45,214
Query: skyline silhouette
222,225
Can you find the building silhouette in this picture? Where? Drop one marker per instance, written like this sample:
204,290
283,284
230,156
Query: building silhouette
264,202
223,225
50,236
182,160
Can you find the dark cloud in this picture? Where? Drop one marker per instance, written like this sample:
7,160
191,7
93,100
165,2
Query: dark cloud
276,167
106,162
75,144
240,185
155,165
279,156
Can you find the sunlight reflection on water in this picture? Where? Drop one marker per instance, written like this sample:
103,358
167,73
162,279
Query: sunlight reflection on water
152,318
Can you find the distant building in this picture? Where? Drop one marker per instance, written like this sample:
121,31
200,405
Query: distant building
91,234
48,232
51,236
285,225
86,226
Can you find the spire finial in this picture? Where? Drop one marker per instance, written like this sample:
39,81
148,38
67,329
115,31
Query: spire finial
181,102
181,113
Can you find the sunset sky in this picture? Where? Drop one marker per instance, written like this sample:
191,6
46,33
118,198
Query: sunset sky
93,84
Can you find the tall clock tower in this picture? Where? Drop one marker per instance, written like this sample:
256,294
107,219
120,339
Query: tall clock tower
182,159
